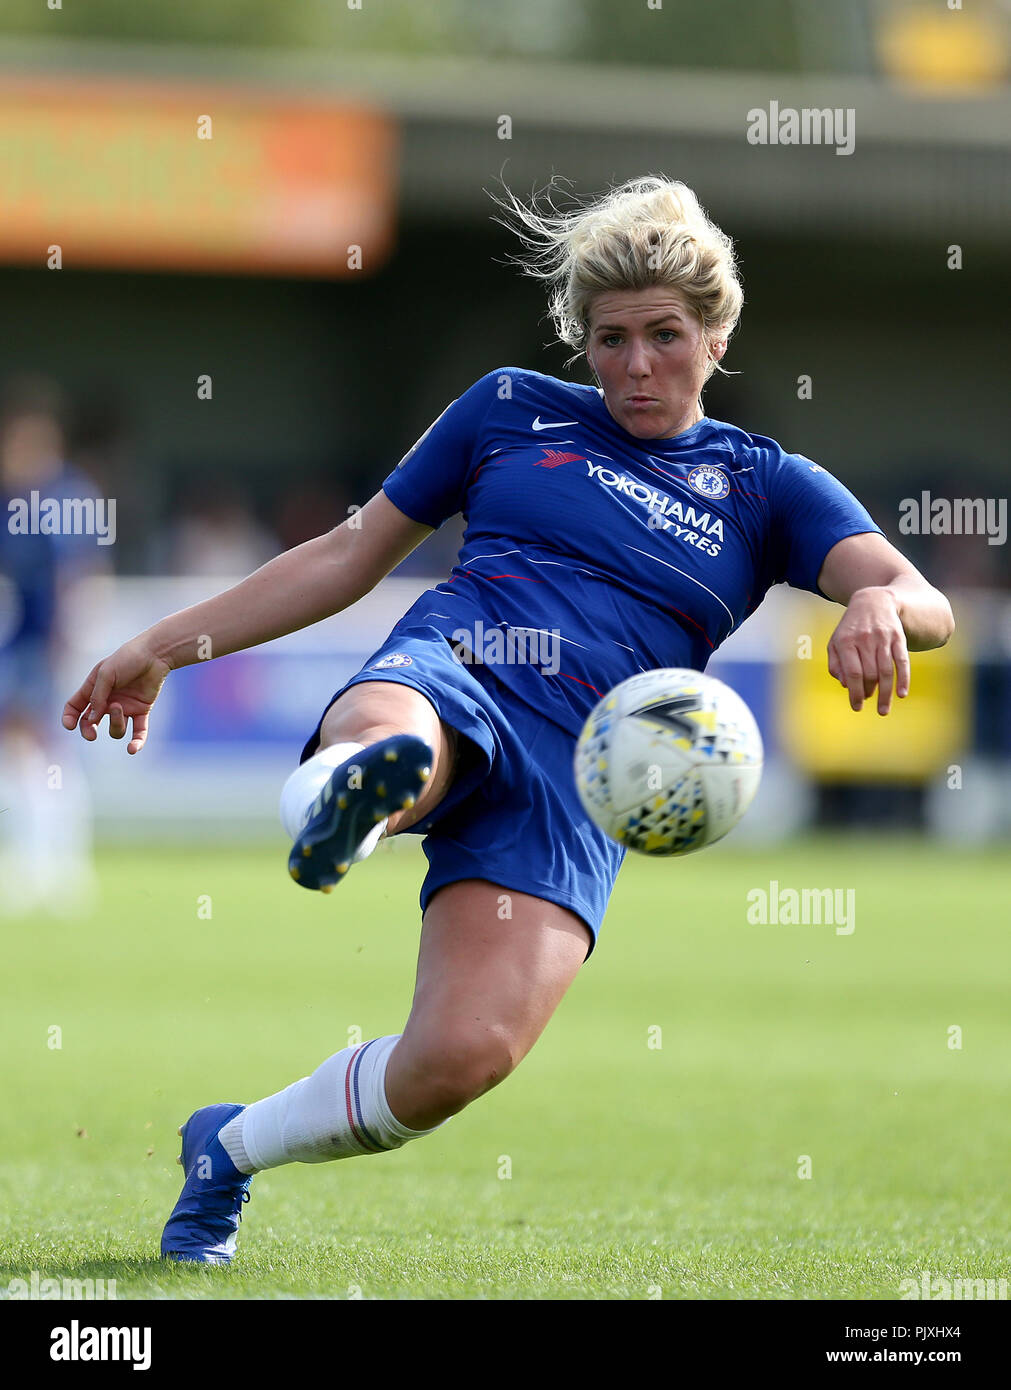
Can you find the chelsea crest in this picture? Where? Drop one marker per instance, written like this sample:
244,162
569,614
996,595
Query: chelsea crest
709,482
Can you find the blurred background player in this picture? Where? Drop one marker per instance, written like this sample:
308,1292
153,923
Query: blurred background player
45,826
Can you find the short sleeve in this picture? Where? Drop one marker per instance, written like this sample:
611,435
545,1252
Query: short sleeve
429,484
810,512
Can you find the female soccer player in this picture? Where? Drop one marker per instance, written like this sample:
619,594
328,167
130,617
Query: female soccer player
610,530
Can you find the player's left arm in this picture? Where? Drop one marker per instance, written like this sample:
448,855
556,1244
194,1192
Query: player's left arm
891,610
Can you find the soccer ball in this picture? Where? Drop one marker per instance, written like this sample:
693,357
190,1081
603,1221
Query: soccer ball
668,762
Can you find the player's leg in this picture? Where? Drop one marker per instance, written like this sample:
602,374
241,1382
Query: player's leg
493,966
385,760
375,710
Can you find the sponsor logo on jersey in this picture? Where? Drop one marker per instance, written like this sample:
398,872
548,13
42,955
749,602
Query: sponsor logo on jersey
709,482
394,659
553,458
539,424
699,529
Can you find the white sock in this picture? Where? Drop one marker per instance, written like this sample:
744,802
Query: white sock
339,1111
299,793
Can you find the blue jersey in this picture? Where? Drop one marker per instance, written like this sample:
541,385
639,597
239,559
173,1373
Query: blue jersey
29,575
596,555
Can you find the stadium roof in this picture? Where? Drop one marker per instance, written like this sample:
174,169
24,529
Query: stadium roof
928,163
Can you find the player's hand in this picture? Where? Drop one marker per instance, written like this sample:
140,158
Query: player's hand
868,649
124,686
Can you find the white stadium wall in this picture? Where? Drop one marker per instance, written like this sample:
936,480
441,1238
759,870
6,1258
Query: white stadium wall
225,734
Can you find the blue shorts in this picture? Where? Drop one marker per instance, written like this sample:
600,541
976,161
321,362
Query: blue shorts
512,814
26,681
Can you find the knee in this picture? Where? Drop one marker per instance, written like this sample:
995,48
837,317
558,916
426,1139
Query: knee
453,1069
348,723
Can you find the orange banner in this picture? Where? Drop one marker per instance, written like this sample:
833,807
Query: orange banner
192,177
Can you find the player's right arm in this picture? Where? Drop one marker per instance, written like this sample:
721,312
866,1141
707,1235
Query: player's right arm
296,589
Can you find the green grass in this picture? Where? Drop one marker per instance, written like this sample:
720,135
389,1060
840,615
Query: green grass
636,1171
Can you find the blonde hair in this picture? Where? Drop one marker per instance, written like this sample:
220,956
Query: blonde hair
647,231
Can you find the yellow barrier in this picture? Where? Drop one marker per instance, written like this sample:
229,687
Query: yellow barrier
921,736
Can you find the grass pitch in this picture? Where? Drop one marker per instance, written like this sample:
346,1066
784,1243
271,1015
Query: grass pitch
655,1137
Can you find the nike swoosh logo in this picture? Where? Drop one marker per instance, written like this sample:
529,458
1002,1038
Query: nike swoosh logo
540,424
